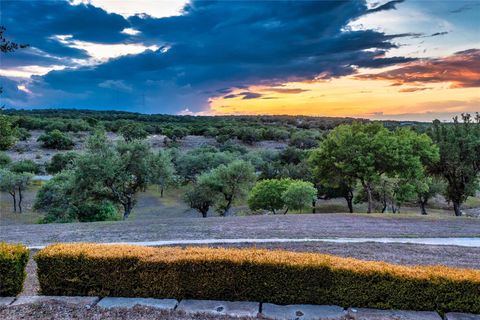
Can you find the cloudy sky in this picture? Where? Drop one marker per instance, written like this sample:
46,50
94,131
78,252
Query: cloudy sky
378,59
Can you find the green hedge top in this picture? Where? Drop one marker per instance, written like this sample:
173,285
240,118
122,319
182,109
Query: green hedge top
252,274
13,261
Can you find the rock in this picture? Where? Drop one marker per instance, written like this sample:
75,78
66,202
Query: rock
461,316
373,314
86,301
302,312
118,302
5,301
235,309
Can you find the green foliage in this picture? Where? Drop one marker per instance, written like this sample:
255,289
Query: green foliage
175,133
13,262
201,197
249,135
5,160
7,133
116,173
55,198
364,153
97,211
426,188
56,139
14,183
459,161
306,139
200,160
299,195
162,170
22,166
278,277
268,195
63,202
133,131
230,181
61,161
23,134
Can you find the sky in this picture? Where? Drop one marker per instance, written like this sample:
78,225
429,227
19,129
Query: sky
378,59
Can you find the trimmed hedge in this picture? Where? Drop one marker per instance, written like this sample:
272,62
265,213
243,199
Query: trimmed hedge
251,274
13,261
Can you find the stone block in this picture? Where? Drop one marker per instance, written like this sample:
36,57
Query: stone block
212,307
302,312
119,302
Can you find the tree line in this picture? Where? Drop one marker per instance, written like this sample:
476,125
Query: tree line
385,167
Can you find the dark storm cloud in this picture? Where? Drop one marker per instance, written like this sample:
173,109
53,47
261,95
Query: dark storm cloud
214,45
387,6
37,23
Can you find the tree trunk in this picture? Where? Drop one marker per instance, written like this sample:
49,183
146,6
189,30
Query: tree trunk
285,212
14,197
457,209
227,207
127,207
20,198
314,203
423,208
204,213
368,190
350,204
161,192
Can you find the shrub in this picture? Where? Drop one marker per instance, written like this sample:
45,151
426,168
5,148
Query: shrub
5,160
133,131
251,274
23,166
61,161
56,139
13,261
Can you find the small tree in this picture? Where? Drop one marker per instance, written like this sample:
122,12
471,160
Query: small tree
427,188
268,195
365,152
162,170
12,182
200,197
115,173
8,184
299,195
7,133
56,139
459,161
133,131
231,181
22,181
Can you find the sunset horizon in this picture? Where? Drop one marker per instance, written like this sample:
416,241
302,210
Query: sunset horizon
380,60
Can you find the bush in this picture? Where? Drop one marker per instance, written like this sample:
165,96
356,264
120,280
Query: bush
5,160
13,261
61,161
23,166
250,274
56,139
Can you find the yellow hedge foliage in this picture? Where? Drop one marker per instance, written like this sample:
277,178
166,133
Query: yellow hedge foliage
253,274
258,256
13,261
